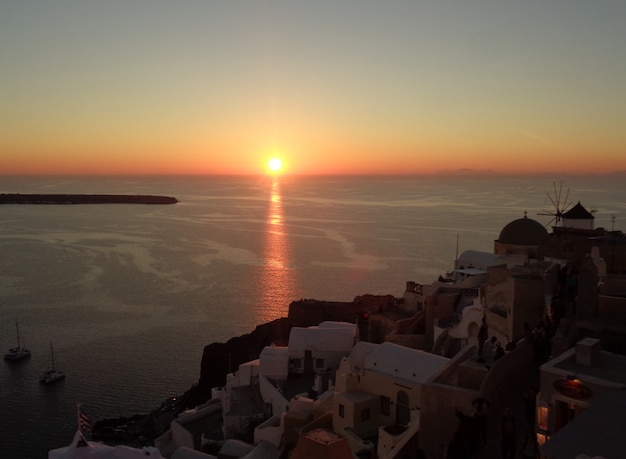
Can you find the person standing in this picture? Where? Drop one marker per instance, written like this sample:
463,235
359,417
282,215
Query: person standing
499,352
489,349
483,334
530,405
480,418
508,434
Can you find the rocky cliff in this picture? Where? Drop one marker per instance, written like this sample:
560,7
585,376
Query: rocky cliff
219,359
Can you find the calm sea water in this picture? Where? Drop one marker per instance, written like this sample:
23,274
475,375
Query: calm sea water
129,295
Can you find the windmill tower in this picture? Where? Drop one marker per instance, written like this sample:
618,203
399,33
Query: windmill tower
579,217
560,203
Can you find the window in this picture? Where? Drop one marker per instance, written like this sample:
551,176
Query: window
342,411
403,412
319,363
385,405
541,439
542,417
297,363
365,414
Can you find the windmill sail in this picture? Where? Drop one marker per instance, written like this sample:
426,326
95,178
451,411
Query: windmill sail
560,204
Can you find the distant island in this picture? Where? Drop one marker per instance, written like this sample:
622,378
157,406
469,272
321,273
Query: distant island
17,198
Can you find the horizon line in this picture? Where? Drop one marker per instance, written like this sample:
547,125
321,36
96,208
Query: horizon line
452,173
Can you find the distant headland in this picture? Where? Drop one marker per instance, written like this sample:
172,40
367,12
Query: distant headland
17,198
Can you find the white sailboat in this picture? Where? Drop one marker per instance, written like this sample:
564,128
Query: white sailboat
53,375
19,352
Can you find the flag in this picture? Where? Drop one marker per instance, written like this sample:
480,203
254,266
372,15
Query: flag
84,421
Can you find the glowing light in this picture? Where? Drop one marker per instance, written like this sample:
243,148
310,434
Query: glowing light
277,285
275,164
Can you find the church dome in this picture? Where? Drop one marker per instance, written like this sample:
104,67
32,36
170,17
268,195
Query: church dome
523,231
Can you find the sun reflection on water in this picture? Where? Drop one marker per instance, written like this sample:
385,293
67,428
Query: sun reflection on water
277,288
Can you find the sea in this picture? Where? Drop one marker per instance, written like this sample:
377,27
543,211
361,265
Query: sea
128,295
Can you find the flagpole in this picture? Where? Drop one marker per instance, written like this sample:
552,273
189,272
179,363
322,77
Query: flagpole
78,418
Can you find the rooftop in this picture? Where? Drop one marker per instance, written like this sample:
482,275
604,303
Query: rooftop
607,366
611,367
523,231
404,363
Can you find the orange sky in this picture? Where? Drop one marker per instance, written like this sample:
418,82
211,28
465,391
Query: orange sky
354,88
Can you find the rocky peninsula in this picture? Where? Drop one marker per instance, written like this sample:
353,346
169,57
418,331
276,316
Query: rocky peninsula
18,198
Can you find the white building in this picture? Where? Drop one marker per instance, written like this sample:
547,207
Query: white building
318,348
186,430
379,393
282,376
80,448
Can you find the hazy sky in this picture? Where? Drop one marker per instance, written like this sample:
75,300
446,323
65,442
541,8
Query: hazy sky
217,87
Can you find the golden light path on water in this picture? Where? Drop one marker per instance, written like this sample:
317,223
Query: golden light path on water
277,279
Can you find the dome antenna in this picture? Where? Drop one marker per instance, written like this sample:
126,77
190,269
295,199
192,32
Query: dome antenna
560,205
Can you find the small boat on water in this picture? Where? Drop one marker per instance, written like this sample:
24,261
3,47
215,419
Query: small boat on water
19,352
52,375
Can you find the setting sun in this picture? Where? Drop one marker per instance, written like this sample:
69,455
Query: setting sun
275,164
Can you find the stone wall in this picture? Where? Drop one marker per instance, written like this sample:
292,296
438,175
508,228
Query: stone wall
509,374
438,419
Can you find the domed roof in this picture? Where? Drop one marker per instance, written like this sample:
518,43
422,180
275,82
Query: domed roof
523,231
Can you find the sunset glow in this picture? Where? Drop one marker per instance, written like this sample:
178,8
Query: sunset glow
275,165
442,90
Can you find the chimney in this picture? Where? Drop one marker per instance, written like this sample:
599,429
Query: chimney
588,352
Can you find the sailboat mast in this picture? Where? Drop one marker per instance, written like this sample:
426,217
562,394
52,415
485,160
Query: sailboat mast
52,355
17,329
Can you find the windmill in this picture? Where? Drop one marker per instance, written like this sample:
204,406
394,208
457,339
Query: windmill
560,204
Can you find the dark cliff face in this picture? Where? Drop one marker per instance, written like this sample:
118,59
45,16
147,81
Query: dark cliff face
219,359
308,313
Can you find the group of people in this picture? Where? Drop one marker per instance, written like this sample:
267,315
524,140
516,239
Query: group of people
492,350
489,349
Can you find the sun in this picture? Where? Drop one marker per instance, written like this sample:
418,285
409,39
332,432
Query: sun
275,165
